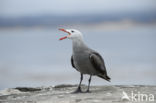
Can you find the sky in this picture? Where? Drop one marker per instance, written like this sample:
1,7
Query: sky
39,7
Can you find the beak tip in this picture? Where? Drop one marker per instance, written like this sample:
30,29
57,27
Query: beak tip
61,29
63,38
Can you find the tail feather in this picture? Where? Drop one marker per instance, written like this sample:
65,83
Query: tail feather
105,77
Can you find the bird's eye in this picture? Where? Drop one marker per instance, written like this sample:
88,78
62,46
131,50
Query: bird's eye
72,31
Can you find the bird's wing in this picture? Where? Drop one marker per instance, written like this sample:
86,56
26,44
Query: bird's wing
98,63
72,63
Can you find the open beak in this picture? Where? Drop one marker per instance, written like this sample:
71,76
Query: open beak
64,36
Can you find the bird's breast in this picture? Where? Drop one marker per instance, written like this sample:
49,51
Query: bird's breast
81,58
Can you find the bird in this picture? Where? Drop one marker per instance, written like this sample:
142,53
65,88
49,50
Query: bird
84,59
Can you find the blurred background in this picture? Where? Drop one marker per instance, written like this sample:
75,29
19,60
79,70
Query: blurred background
122,31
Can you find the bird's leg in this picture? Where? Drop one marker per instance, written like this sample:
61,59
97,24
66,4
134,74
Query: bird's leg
78,90
89,84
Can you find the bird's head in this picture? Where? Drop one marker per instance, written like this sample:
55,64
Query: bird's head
72,34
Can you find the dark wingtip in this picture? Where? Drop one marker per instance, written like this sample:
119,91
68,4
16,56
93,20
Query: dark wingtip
108,78
105,77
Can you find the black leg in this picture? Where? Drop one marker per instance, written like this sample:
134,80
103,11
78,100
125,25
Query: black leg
89,83
78,90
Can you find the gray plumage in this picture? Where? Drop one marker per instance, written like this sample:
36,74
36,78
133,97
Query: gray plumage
88,61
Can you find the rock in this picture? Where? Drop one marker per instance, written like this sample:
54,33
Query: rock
78,100
64,85
9,91
27,89
63,94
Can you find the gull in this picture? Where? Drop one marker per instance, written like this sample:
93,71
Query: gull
84,59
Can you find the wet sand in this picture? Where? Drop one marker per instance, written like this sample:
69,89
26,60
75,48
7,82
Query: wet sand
63,94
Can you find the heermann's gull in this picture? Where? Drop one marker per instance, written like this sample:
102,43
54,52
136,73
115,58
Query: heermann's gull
84,59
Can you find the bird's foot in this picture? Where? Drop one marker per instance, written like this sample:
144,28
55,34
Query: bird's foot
78,90
87,91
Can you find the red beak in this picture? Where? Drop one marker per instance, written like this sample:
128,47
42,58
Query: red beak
64,36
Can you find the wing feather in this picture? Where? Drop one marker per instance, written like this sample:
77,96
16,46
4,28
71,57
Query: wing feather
98,63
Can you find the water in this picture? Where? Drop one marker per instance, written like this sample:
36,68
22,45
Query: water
35,56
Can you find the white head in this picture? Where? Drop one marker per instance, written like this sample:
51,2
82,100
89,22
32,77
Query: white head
72,34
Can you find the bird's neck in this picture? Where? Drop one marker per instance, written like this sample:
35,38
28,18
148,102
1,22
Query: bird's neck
78,45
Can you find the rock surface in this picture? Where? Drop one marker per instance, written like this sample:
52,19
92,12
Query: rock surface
63,94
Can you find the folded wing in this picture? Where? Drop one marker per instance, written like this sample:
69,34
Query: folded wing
98,63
